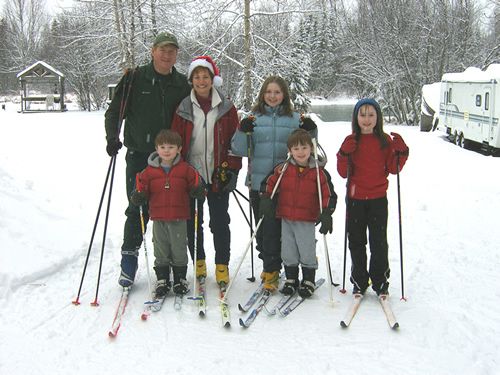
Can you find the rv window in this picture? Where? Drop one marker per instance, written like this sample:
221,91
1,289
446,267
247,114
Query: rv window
487,101
478,100
449,95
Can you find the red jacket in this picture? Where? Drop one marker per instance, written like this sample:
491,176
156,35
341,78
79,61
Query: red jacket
370,166
168,193
298,198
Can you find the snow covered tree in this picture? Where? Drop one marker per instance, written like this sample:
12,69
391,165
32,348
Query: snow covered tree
299,70
25,20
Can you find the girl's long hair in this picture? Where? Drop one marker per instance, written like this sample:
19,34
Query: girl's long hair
286,104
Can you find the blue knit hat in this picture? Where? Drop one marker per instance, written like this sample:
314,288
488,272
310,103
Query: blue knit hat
364,101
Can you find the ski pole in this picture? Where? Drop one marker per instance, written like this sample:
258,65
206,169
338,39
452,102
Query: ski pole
249,154
123,106
400,232
111,167
250,224
143,231
241,208
195,248
343,290
106,219
320,196
77,300
223,300
241,194
251,278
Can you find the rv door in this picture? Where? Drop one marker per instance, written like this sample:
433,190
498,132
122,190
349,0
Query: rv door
486,118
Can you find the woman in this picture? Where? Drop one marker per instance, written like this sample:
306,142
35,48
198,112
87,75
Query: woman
206,121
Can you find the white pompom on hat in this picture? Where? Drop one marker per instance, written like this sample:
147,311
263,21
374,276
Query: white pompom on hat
206,62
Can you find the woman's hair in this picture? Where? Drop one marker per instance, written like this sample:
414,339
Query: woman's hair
286,104
198,68
167,136
299,137
378,130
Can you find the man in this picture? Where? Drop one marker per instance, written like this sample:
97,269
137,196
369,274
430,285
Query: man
152,94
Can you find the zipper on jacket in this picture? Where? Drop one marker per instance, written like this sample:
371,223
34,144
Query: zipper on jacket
206,146
274,137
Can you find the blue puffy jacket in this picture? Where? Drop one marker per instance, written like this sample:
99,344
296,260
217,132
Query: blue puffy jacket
267,143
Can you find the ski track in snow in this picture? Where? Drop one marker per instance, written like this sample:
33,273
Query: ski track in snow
50,189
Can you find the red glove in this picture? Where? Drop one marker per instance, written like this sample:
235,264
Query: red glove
398,144
349,146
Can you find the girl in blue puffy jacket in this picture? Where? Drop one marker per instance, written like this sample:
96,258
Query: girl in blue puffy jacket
262,137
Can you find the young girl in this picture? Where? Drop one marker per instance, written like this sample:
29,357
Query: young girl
206,121
366,158
262,137
298,207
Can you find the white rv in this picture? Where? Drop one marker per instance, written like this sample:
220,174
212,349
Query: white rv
467,108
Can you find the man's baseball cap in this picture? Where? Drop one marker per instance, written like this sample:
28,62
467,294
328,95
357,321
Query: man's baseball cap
162,39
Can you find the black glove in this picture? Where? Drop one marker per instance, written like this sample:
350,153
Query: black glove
325,218
199,192
308,124
266,207
138,198
247,124
113,146
227,178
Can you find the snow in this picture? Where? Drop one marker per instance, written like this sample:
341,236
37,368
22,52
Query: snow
52,170
473,74
431,94
319,100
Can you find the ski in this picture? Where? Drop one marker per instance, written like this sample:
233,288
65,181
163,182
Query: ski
224,308
200,297
253,298
178,298
281,303
298,300
152,306
353,308
120,310
202,305
391,319
251,317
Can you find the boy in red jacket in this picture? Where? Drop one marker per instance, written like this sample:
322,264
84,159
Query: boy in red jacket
167,183
298,207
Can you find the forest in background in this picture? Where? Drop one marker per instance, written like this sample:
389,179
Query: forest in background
385,49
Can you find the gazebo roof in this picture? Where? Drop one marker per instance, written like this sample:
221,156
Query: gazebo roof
40,69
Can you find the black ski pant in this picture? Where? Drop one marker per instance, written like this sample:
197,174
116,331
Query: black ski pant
218,205
368,215
268,237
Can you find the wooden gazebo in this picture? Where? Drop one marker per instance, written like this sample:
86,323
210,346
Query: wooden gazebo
42,88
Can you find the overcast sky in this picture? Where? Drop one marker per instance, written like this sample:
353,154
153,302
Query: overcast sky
52,5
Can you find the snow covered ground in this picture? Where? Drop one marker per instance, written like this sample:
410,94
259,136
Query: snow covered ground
52,169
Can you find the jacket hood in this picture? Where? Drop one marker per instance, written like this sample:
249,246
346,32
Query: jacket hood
185,109
311,162
155,161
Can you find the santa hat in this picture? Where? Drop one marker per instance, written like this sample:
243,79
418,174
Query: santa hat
206,62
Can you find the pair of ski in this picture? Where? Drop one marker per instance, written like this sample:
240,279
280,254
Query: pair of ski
154,305
284,306
356,302
223,306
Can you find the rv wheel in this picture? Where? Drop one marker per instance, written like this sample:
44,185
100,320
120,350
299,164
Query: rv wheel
455,138
462,142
